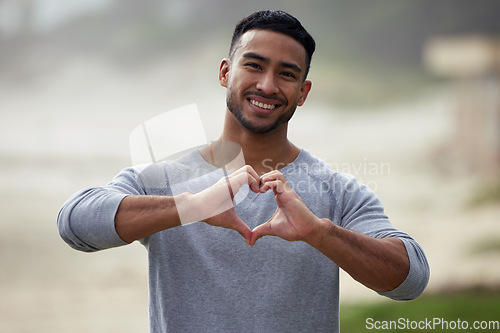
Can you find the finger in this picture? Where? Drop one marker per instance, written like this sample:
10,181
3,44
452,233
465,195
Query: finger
276,185
247,169
272,175
237,181
254,183
253,179
230,220
243,229
239,225
251,171
242,176
261,230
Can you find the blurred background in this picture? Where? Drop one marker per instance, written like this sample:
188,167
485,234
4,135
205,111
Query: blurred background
406,96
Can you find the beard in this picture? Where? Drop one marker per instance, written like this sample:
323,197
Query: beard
237,110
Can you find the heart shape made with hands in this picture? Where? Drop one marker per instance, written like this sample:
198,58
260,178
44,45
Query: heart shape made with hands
214,203
290,219
219,201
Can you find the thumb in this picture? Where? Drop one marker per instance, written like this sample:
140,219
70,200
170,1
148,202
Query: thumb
261,230
230,220
243,229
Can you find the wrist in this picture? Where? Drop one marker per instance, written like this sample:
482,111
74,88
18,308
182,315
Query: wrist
186,207
322,228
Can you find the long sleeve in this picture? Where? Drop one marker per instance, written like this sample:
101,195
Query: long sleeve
363,212
418,276
86,221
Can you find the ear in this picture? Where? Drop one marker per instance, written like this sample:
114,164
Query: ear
224,72
304,91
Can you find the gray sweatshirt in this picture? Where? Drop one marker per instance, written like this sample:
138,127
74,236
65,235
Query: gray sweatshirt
206,279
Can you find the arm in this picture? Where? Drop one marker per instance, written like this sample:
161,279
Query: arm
141,216
115,215
86,220
381,264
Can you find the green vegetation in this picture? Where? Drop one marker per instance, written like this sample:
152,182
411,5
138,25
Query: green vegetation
440,310
484,195
485,246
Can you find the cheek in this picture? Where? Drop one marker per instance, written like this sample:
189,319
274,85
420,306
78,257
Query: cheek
293,96
232,83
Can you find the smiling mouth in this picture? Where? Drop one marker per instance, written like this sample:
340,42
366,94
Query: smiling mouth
262,105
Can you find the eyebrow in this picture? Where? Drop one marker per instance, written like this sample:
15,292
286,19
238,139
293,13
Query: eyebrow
253,55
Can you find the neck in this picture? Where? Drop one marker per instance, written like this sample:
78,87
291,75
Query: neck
264,152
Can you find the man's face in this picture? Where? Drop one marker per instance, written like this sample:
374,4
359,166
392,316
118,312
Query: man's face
265,79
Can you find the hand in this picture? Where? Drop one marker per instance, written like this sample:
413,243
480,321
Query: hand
214,205
293,220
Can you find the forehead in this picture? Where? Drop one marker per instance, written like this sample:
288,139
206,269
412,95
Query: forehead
272,45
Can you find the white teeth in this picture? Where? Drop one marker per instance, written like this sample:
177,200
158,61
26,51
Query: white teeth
262,105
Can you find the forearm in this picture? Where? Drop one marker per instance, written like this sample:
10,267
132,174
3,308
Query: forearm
381,264
140,216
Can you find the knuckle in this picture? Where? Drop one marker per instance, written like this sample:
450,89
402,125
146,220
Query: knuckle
248,168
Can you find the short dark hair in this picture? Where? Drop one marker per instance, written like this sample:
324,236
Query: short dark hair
278,21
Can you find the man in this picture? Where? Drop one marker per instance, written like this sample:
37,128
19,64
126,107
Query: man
202,276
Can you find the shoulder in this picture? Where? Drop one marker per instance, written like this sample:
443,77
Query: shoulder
309,168
162,172
308,165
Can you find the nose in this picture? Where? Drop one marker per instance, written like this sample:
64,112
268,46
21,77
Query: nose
267,84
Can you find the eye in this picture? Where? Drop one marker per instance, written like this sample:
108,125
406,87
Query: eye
253,65
289,75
